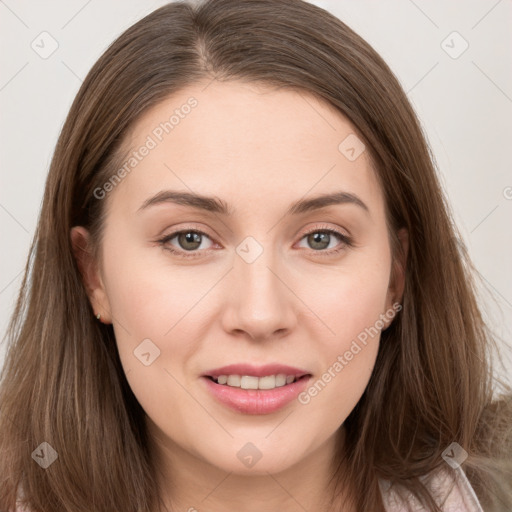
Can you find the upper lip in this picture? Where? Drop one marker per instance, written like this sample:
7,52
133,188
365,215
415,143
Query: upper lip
256,371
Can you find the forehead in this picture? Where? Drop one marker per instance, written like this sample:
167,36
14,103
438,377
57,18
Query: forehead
247,140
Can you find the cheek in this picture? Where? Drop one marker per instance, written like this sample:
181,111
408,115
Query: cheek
143,305
150,317
142,296
351,300
350,308
348,359
160,317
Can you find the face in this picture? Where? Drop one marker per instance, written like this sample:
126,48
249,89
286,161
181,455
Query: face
298,291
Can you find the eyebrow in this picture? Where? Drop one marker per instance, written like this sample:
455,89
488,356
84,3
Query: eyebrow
216,205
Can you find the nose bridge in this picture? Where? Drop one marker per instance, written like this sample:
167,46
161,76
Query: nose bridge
261,302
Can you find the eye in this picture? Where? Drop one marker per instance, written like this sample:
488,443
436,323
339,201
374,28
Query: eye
188,241
320,239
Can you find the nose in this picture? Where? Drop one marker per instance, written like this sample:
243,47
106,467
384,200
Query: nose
261,303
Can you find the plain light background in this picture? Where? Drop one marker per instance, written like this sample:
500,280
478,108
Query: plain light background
452,58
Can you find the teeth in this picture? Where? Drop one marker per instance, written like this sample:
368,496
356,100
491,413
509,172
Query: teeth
247,382
271,381
251,382
234,380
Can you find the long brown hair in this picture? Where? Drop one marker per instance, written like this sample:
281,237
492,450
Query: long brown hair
62,381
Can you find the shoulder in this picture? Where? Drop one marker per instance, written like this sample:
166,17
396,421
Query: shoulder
450,488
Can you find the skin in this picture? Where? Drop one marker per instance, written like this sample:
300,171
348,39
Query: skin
258,149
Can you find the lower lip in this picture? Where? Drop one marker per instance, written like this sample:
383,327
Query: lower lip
256,401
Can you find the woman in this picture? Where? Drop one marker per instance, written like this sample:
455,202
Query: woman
186,341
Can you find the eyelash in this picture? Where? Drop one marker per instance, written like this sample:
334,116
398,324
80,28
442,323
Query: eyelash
346,242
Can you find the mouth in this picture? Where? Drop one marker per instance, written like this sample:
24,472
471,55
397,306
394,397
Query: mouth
256,390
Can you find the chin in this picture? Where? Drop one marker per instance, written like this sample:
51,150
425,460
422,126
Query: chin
247,459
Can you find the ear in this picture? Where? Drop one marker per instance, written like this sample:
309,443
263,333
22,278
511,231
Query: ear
80,242
397,281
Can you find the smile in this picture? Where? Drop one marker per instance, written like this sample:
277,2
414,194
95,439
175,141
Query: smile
255,401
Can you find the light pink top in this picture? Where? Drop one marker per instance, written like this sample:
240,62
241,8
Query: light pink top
459,498
449,487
